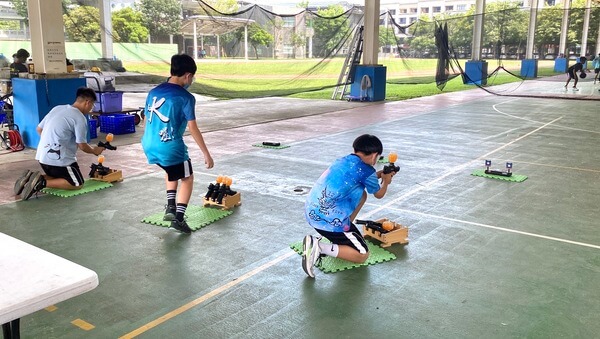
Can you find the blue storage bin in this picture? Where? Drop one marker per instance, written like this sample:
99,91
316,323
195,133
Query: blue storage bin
93,129
117,123
108,102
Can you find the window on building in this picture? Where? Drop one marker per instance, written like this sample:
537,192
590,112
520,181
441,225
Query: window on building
402,21
289,21
392,12
449,8
424,9
403,11
461,8
412,19
436,9
413,10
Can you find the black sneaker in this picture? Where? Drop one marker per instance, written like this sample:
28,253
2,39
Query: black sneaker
169,213
35,184
181,226
20,183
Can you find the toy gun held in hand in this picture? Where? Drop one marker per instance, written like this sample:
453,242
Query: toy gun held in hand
107,145
391,167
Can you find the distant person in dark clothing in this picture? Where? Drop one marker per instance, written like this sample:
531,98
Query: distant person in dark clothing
19,64
572,72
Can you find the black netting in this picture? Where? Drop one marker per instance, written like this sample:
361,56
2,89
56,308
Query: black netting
254,52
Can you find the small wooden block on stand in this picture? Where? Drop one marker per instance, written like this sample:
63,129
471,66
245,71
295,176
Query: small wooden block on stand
228,202
114,175
399,235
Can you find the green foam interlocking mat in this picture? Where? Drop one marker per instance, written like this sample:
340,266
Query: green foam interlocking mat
197,217
88,186
273,147
512,178
330,264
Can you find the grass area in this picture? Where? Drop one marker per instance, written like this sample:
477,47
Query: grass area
315,79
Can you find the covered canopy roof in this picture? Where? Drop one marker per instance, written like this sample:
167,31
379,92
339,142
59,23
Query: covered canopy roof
212,25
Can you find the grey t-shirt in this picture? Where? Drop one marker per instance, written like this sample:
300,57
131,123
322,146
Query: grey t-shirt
62,129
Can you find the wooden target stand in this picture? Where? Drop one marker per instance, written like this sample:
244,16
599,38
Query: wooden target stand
399,235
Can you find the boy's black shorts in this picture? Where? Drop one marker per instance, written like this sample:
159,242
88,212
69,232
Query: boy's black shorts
352,238
596,70
179,171
70,173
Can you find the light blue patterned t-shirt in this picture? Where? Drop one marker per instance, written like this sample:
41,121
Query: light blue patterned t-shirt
337,193
169,107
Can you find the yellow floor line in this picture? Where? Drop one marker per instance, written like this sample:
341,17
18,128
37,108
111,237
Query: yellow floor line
84,325
51,308
205,297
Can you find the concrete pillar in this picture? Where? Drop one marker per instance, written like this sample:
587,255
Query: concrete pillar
477,30
195,42
105,29
598,41
218,47
246,42
531,30
562,46
586,27
371,32
47,38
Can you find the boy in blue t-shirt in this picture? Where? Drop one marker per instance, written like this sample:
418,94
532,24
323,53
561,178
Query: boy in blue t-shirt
170,108
335,200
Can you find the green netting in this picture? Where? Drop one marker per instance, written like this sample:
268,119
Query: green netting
197,217
330,264
512,178
90,185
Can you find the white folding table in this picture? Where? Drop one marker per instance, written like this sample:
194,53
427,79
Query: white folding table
32,279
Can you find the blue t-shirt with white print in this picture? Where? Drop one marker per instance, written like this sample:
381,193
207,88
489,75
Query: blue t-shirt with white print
337,193
168,109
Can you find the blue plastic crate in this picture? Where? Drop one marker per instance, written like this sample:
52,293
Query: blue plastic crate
108,102
117,123
93,129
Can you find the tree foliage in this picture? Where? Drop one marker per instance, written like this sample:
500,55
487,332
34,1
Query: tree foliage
329,32
161,17
129,26
82,24
257,36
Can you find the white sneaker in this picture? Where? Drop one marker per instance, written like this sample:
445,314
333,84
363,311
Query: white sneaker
310,254
575,89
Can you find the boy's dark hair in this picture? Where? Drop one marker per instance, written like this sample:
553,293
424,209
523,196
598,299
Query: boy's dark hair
86,93
582,59
22,53
181,64
367,144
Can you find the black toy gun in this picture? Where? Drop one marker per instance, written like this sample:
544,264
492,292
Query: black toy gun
377,226
107,145
391,167
99,168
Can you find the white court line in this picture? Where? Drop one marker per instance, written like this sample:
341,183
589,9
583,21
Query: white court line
498,228
453,170
535,121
